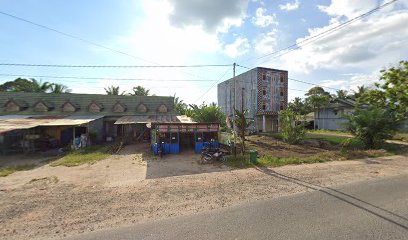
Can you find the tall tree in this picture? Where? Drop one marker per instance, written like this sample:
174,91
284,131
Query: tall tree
206,113
180,106
299,106
394,84
317,98
25,85
360,91
140,91
342,94
112,90
59,88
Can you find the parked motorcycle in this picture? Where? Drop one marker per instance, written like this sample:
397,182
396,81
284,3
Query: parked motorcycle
209,155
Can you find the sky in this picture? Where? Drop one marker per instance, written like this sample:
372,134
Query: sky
250,33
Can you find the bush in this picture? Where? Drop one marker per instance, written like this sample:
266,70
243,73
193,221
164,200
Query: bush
372,125
292,128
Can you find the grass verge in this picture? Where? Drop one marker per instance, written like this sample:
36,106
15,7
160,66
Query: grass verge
272,161
90,155
9,170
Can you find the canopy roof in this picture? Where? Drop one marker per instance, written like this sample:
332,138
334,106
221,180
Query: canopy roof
14,122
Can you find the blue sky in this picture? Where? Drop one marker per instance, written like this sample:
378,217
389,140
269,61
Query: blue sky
177,32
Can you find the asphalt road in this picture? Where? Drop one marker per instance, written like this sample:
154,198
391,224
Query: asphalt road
367,210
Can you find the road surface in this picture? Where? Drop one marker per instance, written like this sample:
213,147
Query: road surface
376,209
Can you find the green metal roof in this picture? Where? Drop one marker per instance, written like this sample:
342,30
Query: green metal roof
82,101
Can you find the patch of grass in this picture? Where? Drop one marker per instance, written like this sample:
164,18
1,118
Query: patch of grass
52,179
89,155
271,161
9,170
239,161
328,138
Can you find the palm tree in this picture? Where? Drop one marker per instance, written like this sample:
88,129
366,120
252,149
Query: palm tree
360,91
342,94
59,88
112,90
140,91
39,86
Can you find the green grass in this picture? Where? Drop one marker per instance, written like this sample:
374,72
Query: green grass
319,136
271,161
87,155
9,170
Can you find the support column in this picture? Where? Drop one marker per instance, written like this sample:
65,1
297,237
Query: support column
263,123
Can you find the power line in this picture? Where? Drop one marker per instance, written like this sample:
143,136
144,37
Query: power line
112,66
74,37
296,80
106,78
228,70
85,40
322,34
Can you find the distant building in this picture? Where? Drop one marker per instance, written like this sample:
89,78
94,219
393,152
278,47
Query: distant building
332,116
263,91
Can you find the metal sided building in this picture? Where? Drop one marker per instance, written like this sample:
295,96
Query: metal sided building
262,91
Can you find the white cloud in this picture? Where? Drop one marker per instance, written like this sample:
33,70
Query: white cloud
355,80
365,44
348,8
153,37
239,47
290,6
266,43
263,20
211,15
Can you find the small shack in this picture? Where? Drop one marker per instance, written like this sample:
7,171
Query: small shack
176,137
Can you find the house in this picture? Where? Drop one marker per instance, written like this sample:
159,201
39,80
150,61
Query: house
331,116
39,121
262,91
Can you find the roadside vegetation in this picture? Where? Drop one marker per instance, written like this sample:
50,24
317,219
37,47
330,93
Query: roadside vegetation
9,170
88,155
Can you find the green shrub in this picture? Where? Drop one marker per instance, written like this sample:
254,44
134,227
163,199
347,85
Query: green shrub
291,127
371,125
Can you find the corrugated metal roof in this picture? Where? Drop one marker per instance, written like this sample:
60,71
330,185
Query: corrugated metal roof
153,119
9,124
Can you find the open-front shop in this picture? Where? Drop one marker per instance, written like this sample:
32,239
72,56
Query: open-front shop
177,137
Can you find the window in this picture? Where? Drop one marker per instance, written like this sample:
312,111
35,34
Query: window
263,76
281,107
264,91
281,94
282,78
263,106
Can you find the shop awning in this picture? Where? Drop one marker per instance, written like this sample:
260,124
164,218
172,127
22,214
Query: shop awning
153,119
10,123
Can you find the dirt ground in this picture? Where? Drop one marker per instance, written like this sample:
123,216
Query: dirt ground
54,202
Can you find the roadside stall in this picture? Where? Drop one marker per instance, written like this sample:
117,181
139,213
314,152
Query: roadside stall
176,137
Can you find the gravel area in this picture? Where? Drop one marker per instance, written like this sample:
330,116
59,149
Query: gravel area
54,202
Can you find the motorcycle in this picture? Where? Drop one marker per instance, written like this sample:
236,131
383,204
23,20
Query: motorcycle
209,155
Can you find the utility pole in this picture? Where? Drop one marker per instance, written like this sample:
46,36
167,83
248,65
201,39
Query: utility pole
233,115
242,121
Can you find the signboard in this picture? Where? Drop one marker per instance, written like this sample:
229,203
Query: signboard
187,128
